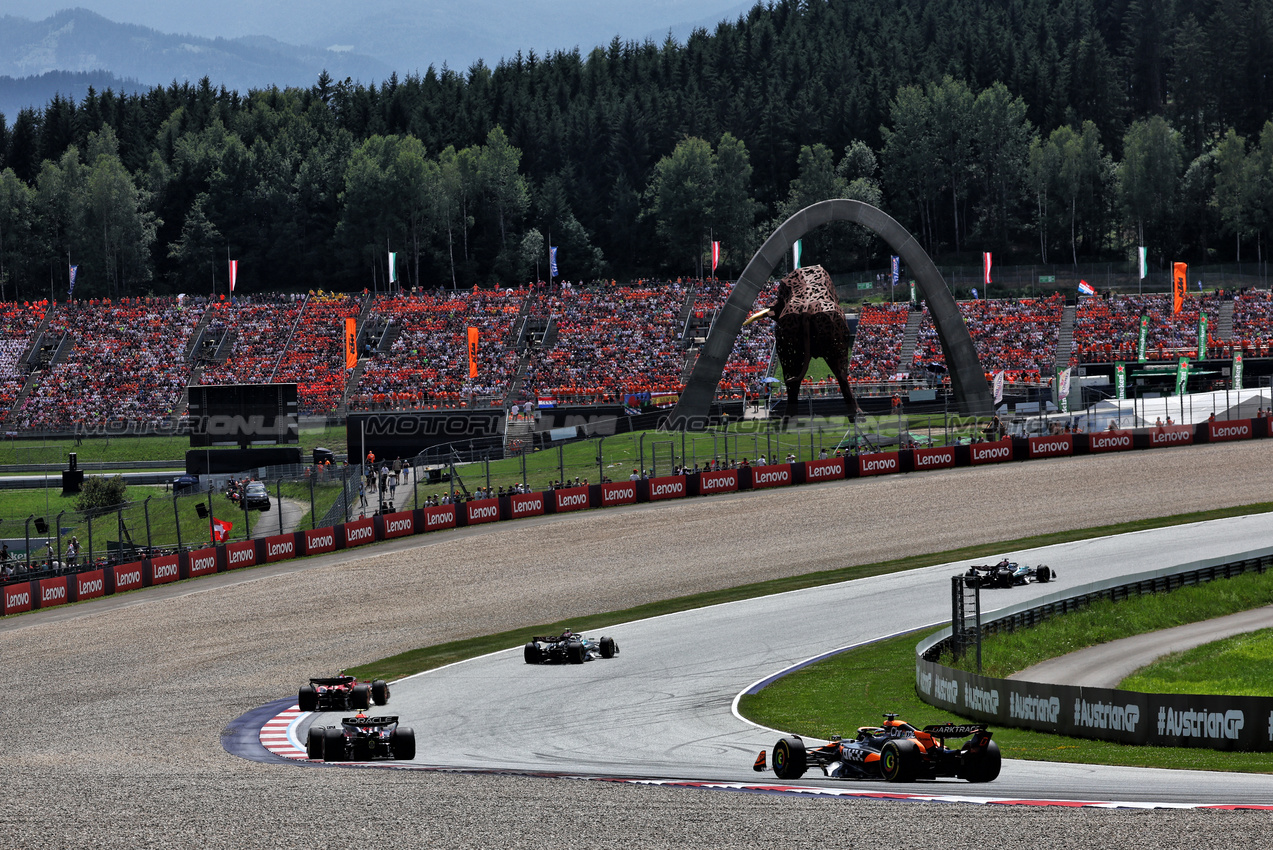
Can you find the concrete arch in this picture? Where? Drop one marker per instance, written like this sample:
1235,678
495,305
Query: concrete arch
968,381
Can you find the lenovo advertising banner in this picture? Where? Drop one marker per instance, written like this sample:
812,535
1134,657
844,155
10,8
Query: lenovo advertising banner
880,463
320,540
571,499
360,532
1109,441
399,524
942,458
241,554
164,570
720,481
668,487
620,493
774,475
1057,445
90,585
831,469
280,547
1232,429
203,562
980,453
17,597
53,592
129,577
479,511
442,516
525,504
1170,435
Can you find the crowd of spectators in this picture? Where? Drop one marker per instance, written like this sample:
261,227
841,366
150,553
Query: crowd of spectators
127,363
262,325
877,347
315,357
610,341
428,363
1015,336
1107,328
1253,322
18,324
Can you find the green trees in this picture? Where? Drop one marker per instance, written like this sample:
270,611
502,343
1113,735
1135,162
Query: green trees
1149,180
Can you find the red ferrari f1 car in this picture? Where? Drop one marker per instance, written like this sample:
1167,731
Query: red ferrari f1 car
341,693
896,752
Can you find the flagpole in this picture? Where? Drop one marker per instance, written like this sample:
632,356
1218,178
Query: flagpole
549,246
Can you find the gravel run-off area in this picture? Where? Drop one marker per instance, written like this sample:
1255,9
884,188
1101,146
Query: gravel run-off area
114,707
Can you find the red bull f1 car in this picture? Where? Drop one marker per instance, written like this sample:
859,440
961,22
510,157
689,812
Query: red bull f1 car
1007,574
361,738
341,693
895,752
568,647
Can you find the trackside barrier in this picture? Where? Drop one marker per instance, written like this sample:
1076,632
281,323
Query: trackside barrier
26,594
52,592
1128,717
89,585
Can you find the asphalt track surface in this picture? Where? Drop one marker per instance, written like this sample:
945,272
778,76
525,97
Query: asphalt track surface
1107,664
662,708
116,708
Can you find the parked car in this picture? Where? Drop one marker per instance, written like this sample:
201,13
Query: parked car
255,496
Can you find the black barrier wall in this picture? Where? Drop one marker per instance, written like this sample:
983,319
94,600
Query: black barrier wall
1128,717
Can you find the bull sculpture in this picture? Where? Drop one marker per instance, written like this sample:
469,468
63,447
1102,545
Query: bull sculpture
809,323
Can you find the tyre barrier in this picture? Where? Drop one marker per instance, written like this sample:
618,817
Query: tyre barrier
26,595
1106,714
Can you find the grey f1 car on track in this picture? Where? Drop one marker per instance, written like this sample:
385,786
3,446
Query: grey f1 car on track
361,738
568,647
341,693
896,752
1007,574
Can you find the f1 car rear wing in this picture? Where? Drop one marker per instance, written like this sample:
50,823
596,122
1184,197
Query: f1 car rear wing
333,680
369,721
954,730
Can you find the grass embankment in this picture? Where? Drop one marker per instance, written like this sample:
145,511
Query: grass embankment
1239,665
857,687
851,689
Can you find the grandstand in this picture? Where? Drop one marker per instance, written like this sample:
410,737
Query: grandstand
65,366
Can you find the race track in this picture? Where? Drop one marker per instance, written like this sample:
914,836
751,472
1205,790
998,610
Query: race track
662,708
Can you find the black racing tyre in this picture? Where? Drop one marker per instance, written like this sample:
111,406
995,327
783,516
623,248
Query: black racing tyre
576,653
899,760
334,744
532,654
1043,574
985,766
314,742
361,696
790,760
307,699
402,742
379,691
609,649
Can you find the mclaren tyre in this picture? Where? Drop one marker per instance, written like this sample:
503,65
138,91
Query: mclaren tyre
789,758
899,760
983,766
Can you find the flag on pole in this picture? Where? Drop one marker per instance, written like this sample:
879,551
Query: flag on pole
1180,271
795,254
999,387
552,261
985,265
473,350
715,257
1144,262
221,530
351,342
895,264
1086,288
234,274
74,271
393,266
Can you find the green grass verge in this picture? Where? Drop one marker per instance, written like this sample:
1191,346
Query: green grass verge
857,687
1239,665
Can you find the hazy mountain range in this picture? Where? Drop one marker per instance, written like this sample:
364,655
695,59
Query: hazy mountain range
242,44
